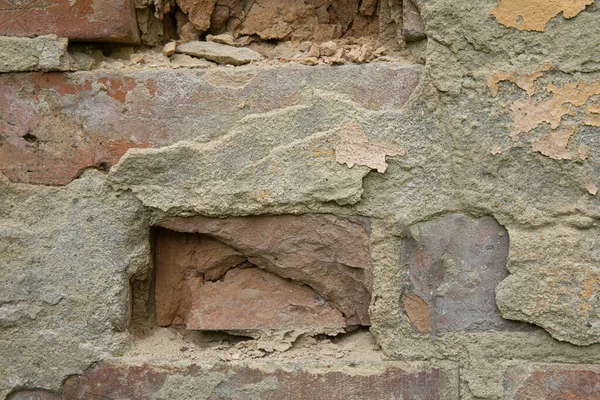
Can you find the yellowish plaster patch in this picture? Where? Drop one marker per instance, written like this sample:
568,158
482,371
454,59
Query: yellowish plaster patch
592,189
524,81
555,144
592,115
533,15
355,148
528,114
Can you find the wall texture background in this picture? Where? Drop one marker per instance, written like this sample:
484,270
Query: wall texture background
457,142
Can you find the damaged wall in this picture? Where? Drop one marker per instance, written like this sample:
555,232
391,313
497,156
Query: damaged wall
253,199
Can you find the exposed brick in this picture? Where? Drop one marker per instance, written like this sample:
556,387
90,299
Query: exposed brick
33,395
453,265
86,20
285,381
329,254
90,119
249,298
412,24
553,381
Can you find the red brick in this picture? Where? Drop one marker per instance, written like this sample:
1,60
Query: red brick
52,125
328,253
553,381
285,381
249,298
452,268
85,20
180,259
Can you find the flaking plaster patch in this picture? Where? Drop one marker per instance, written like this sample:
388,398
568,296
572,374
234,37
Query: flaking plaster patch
548,105
555,144
533,15
523,81
592,189
592,115
355,148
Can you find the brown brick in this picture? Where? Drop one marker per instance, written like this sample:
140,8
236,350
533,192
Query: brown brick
85,20
284,381
412,24
452,266
249,298
553,381
55,124
327,253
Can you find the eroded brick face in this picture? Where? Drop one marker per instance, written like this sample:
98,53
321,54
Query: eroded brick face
272,272
300,380
53,125
553,381
452,266
85,20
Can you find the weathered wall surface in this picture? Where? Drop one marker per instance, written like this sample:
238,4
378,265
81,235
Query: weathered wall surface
466,161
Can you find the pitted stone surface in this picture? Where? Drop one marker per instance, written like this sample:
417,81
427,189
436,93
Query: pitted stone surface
84,20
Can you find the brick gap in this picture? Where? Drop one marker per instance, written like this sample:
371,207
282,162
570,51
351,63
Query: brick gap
307,309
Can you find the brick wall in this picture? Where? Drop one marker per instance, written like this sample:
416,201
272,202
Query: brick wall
299,199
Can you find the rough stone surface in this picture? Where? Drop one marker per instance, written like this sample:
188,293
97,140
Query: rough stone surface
296,20
219,53
538,280
44,53
252,299
302,380
59,248
553,381
90,119
83,20
452,266
328,253
198,12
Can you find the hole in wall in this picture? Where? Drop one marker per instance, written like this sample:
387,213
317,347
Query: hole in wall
274,279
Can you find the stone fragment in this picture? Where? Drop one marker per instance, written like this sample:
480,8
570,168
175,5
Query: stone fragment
43,53
220,53
328,48
368,7
328,253
453,265
81,20
251,299
228,39
355,148
285,380
310,61
412,28
552,381
169,49
55,125
198,12
183,60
